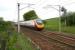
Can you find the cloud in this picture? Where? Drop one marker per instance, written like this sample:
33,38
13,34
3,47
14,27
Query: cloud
8,8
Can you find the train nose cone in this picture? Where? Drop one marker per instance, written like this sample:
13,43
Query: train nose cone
39,27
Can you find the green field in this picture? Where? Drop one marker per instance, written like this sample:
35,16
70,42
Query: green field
53,25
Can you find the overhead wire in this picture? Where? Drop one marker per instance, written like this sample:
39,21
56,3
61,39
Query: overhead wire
68,3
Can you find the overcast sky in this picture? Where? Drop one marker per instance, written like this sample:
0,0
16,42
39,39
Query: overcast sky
8,8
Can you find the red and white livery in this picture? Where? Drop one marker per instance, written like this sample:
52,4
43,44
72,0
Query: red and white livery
36,24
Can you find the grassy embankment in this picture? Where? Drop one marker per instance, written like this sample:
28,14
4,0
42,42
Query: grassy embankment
9,36
24,43
53,25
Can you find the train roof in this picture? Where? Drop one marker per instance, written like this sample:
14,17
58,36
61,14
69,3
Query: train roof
32,20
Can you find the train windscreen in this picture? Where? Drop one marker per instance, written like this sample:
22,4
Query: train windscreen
39,21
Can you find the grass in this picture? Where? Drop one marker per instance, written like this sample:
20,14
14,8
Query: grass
24,43
69,29
53,25
8,33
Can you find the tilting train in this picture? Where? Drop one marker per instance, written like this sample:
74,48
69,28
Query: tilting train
36,24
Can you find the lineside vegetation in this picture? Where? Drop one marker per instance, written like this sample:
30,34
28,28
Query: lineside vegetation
11,40
67,23
7,35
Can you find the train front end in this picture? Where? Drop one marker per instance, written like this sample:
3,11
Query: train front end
39,25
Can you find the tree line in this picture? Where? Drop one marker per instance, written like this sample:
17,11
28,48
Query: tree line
68,19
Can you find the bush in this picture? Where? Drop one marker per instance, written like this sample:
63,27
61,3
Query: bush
8,35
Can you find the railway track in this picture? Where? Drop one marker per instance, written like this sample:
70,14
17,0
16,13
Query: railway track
66,39
49,40
60,39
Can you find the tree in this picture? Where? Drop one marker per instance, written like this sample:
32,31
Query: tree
1,19
30,15
70,18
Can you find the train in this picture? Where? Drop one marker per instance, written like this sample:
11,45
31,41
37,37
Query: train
36,24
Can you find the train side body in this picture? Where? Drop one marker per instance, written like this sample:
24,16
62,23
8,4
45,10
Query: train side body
29,23
36,24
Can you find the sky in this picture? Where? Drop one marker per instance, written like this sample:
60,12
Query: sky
8,8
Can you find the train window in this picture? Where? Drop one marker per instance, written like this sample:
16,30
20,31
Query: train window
39,21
